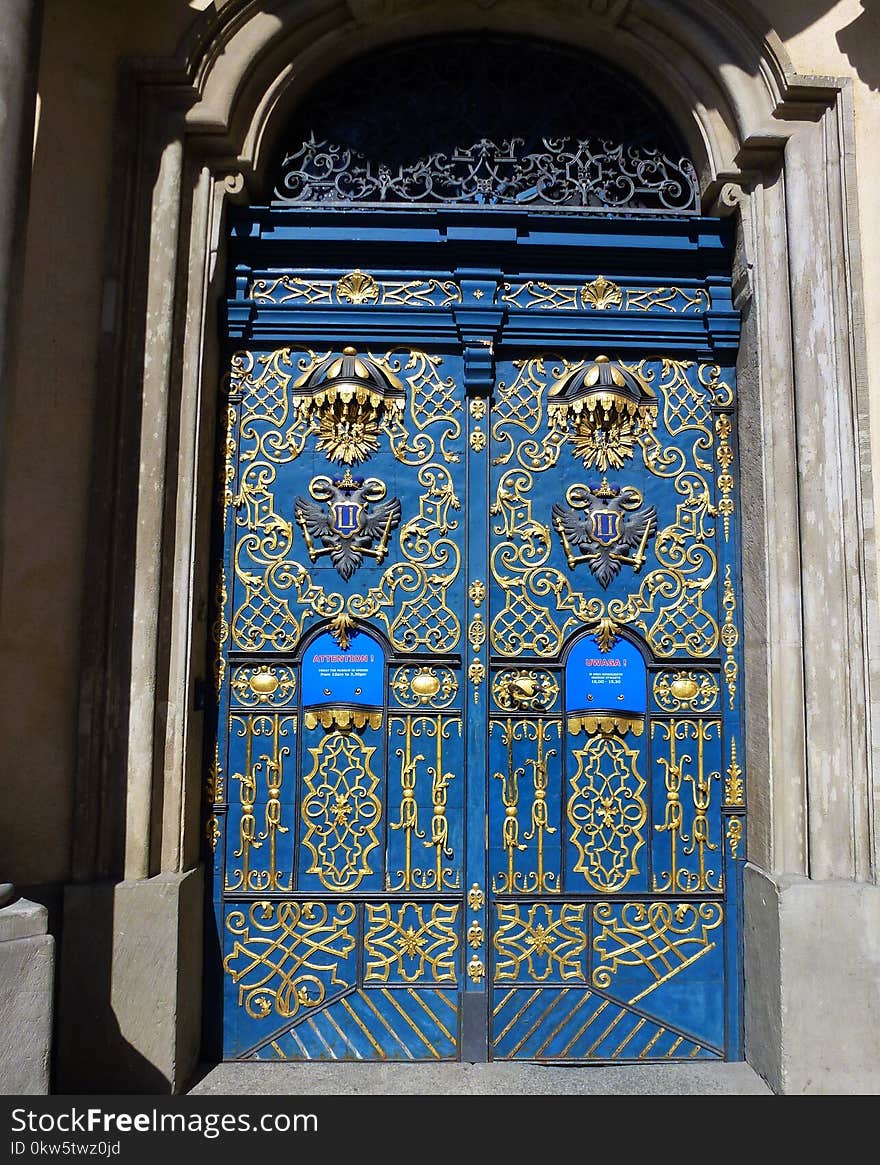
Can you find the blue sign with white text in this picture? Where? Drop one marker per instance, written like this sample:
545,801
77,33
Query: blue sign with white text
610,681
333,676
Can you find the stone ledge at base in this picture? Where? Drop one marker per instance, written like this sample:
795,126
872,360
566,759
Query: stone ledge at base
130,978
812,983
27,978
497,1078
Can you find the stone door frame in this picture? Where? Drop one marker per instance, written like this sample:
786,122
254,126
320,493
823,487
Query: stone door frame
773,148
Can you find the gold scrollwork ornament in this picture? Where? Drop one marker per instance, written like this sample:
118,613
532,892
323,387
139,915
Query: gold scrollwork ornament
476,969
476,898
477,674
476,936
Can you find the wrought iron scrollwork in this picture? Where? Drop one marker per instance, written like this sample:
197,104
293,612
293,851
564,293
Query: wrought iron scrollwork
525,147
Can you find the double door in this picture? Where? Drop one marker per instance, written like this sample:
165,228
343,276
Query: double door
474,788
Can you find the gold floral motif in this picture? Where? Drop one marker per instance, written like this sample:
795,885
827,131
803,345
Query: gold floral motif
343,719
357,287
477,632
540,941
478,440
734,835
601,294
410,942
662,938
476,674
569,297
478,408
212,832
477,592
220,632
476,936
734,788
341,811
476,898
287,954
476,969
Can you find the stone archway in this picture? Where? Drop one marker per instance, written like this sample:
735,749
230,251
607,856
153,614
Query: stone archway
771,147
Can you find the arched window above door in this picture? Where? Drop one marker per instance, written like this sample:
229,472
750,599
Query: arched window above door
511,124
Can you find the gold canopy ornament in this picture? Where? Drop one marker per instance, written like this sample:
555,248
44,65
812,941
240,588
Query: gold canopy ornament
350,393
608,407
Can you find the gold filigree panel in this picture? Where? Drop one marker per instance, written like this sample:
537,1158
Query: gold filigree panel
526,874
419,770
341,811
355,288
268,743
287,956
601,294
541,941
662,938
680,748
411,942
607,812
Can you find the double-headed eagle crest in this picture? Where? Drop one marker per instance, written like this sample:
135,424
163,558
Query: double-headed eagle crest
352,518
606,527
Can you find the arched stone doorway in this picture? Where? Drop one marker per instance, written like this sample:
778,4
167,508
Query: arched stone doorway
770,146
480,585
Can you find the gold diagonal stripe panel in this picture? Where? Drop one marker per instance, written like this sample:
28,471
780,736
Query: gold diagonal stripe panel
418,998
382,1020
408,1019
556,999
534,995
328,1015
645,1030
377,1048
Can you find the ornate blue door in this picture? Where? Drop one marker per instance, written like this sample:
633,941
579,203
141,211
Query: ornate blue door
475,790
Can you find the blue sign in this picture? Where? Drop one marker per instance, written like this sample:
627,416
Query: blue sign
333,676
609,681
